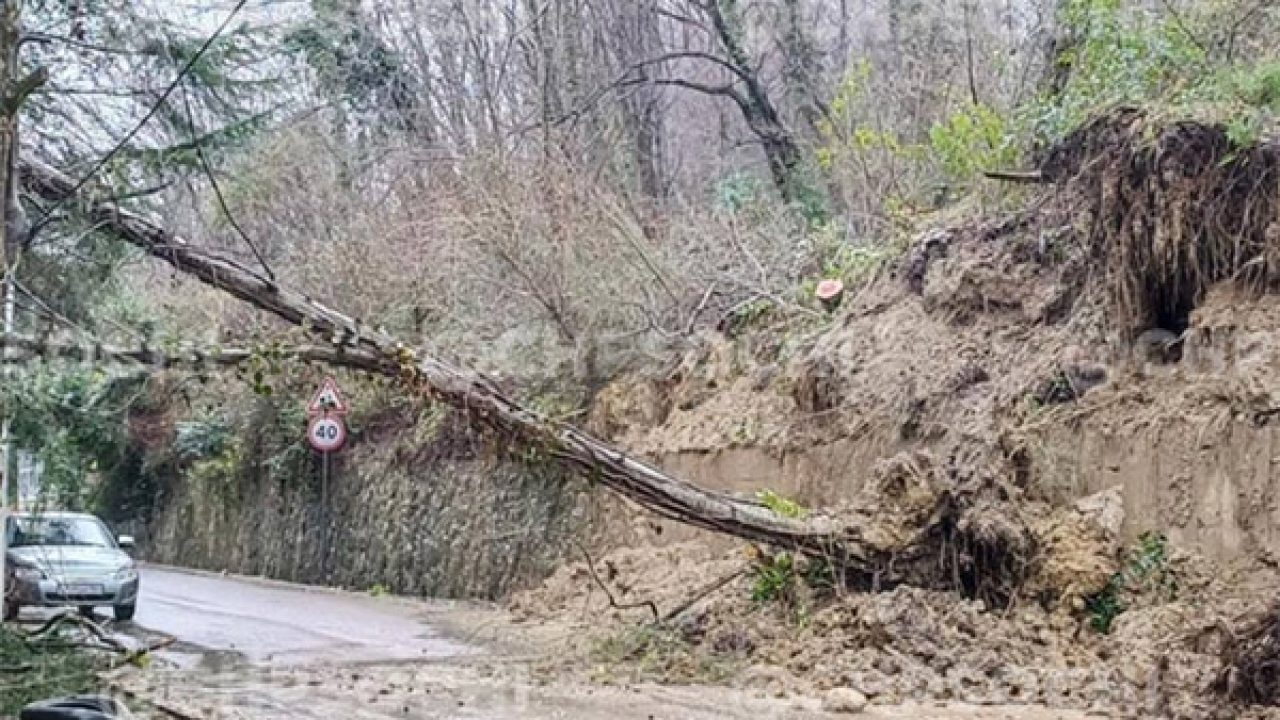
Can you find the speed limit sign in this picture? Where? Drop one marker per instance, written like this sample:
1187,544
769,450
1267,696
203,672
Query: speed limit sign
326,433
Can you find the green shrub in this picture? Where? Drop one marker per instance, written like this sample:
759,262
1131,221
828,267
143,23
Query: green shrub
971,140
1145,571
780,505
775,578
37,670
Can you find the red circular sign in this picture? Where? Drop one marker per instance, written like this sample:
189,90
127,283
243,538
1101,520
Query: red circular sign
326,433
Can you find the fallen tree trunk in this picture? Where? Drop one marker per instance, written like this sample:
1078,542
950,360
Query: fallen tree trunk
355,346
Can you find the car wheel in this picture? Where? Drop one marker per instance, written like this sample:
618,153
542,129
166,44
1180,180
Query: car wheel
10,611
86,611
124,613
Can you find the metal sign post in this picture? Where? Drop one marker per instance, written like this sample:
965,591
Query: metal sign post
327,433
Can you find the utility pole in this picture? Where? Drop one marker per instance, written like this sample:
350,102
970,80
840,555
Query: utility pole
6,439
10,16
14,89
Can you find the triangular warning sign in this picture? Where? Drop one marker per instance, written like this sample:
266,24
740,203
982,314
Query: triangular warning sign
328,399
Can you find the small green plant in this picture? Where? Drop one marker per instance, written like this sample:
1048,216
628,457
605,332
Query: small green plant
555,403
775,578
752,313
820,575
379,590
739,191
1104,608
40,669
790,581
786,507
201,438
1145,570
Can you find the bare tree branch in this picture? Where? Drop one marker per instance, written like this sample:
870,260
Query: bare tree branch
692,55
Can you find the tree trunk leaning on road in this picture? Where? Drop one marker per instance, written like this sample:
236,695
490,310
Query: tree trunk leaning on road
376,352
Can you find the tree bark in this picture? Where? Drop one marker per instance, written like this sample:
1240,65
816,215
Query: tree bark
780,146
472,393
10,17
635,35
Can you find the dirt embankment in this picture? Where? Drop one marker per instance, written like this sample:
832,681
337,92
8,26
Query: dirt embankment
1118,333
1113,344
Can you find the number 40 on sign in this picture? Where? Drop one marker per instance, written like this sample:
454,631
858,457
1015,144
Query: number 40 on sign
326,433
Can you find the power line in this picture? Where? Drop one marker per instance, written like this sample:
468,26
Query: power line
217,191
155,108
42,308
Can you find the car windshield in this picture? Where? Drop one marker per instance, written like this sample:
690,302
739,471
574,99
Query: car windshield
28,531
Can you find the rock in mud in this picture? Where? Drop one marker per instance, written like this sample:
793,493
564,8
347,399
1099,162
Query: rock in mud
1105,509
844,700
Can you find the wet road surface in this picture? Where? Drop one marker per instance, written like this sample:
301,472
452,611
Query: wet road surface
266,623
256,650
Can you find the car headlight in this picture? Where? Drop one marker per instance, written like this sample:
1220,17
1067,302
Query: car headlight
27,570
28,573
126,574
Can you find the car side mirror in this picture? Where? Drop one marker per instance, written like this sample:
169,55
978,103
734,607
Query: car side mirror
126,541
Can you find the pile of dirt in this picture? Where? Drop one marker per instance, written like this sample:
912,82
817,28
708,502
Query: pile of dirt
580,592
1161,657
1013,337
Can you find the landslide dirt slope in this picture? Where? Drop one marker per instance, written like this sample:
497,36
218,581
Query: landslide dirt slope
1021,339
1115,339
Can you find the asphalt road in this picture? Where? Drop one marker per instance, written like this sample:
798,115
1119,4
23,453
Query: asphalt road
256,650
276,624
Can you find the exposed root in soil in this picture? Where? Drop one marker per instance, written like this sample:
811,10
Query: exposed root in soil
1177,208
1251,662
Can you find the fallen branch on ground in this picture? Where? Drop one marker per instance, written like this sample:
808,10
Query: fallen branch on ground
102,639
613,602
702,594
134,656
95,631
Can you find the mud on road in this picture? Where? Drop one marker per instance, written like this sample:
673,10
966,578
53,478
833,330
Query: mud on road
258,649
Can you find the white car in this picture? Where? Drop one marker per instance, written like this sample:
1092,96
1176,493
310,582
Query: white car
64,558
